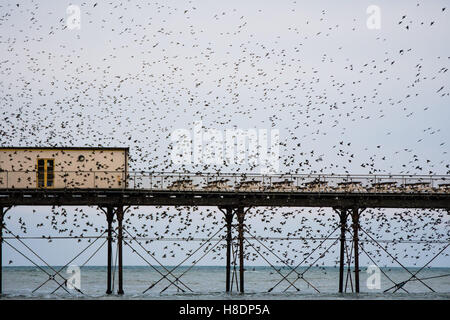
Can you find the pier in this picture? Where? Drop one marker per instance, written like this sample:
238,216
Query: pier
233,195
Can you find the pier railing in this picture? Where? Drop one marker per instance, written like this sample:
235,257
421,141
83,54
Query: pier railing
224,182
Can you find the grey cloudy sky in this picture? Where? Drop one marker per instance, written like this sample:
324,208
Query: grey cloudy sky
345,98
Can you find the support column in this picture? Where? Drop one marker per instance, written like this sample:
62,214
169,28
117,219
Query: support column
1,245
228,220
343,223
119,213
109,219
240,216
355,219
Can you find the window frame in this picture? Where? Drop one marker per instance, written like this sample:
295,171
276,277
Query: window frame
45,186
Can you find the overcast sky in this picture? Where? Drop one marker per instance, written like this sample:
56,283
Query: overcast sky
345,98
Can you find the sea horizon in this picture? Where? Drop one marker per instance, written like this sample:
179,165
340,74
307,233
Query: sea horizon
208,283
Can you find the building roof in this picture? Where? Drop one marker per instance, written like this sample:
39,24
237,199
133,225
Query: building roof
65,148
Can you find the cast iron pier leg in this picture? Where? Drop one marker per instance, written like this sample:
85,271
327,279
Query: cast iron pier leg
343,222
355,218
119,244
229,220
240,216
109,219
1,245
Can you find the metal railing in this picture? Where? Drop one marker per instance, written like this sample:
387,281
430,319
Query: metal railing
222,182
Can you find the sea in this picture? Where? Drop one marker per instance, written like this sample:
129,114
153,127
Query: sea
208,283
